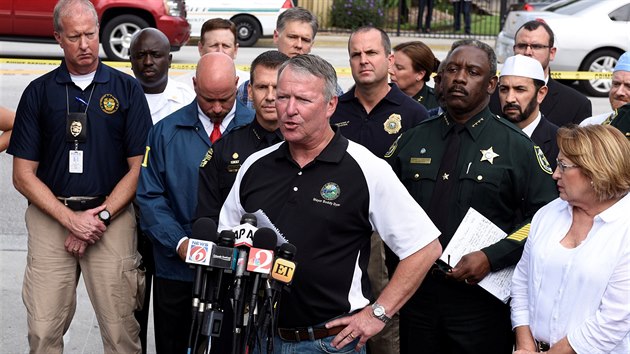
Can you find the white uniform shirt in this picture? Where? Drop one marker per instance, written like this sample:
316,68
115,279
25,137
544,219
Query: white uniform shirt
175,96
591,303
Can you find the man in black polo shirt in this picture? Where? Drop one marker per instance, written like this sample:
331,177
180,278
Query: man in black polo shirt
219,167
326,195
78,139
374,113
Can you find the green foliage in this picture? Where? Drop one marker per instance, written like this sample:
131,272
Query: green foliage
352,14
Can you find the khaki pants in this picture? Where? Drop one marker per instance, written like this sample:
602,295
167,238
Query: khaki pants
388,340
110,271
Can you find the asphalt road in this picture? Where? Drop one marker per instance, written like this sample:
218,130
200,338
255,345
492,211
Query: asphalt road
83,335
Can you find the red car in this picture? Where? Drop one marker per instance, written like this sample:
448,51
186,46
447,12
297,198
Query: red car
31,21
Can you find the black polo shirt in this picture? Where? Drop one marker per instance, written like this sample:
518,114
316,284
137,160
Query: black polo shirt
377,130
328,209
223,160
118,121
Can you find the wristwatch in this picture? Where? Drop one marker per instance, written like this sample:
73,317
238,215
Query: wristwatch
378,311
104,216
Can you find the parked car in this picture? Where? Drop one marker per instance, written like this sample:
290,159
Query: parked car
590,35
532,5
31,21
253,18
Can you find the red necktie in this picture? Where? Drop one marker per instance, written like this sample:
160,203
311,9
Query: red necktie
216,132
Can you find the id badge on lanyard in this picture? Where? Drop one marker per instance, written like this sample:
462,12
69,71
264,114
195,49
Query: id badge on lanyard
76,132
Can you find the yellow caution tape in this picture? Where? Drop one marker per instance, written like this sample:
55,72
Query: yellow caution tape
123,64
558,75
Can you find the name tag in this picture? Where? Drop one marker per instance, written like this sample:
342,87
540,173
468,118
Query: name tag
420,160
76,161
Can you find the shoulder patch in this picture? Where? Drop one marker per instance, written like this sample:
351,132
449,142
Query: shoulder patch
207,158
392,148
542,160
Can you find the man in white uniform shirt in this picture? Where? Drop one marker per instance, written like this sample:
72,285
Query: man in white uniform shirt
150,60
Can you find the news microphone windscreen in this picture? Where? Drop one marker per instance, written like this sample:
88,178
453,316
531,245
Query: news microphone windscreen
204,228
287,251
265,238
227,238
249,218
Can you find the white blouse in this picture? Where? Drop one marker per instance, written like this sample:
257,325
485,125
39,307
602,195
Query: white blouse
590,304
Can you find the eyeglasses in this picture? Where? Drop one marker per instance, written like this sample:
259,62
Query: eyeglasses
563,166
535,47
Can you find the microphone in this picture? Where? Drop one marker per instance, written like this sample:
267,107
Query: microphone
284,268
244,240
281,273
260,263
200,247
222,259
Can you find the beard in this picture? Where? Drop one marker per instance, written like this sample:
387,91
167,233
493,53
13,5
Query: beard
522,114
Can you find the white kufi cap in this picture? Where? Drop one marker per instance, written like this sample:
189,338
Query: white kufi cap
520,65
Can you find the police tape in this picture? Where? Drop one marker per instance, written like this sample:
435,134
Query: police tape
557,75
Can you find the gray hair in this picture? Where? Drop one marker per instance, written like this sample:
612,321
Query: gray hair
385,41
64,8
492,57
316,66
297,14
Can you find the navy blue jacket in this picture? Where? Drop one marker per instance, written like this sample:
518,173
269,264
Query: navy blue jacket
167,187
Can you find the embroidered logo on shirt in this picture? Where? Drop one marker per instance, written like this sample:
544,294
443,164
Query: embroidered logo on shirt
330,191
393,124
108,103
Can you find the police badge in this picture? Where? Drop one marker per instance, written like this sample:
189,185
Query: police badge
75,128
393,124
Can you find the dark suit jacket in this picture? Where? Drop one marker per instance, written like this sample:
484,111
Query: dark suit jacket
545,136
563,104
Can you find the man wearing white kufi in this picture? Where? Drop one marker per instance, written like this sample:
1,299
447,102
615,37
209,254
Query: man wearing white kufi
521,90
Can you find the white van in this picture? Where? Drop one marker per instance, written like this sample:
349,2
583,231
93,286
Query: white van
253,18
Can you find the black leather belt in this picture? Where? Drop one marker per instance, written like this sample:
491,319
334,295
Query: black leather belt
82,203
542,346
307,333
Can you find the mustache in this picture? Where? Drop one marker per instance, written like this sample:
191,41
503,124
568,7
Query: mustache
511,105
458,88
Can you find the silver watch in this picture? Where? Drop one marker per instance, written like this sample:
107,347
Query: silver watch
378,311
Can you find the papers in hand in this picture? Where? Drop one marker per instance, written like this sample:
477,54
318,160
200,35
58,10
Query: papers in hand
474,233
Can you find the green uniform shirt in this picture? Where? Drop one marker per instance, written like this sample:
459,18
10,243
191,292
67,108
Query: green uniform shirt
500,173
426,97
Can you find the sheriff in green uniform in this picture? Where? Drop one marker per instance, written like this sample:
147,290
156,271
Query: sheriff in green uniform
469,158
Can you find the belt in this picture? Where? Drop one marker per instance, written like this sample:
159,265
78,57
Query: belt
82,203
542,346
307,333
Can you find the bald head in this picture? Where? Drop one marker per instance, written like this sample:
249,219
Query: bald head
215,84
149,54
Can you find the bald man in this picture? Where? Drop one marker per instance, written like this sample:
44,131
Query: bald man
150,57
167,190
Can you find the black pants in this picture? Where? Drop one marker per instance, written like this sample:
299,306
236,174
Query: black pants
448,317
145,248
